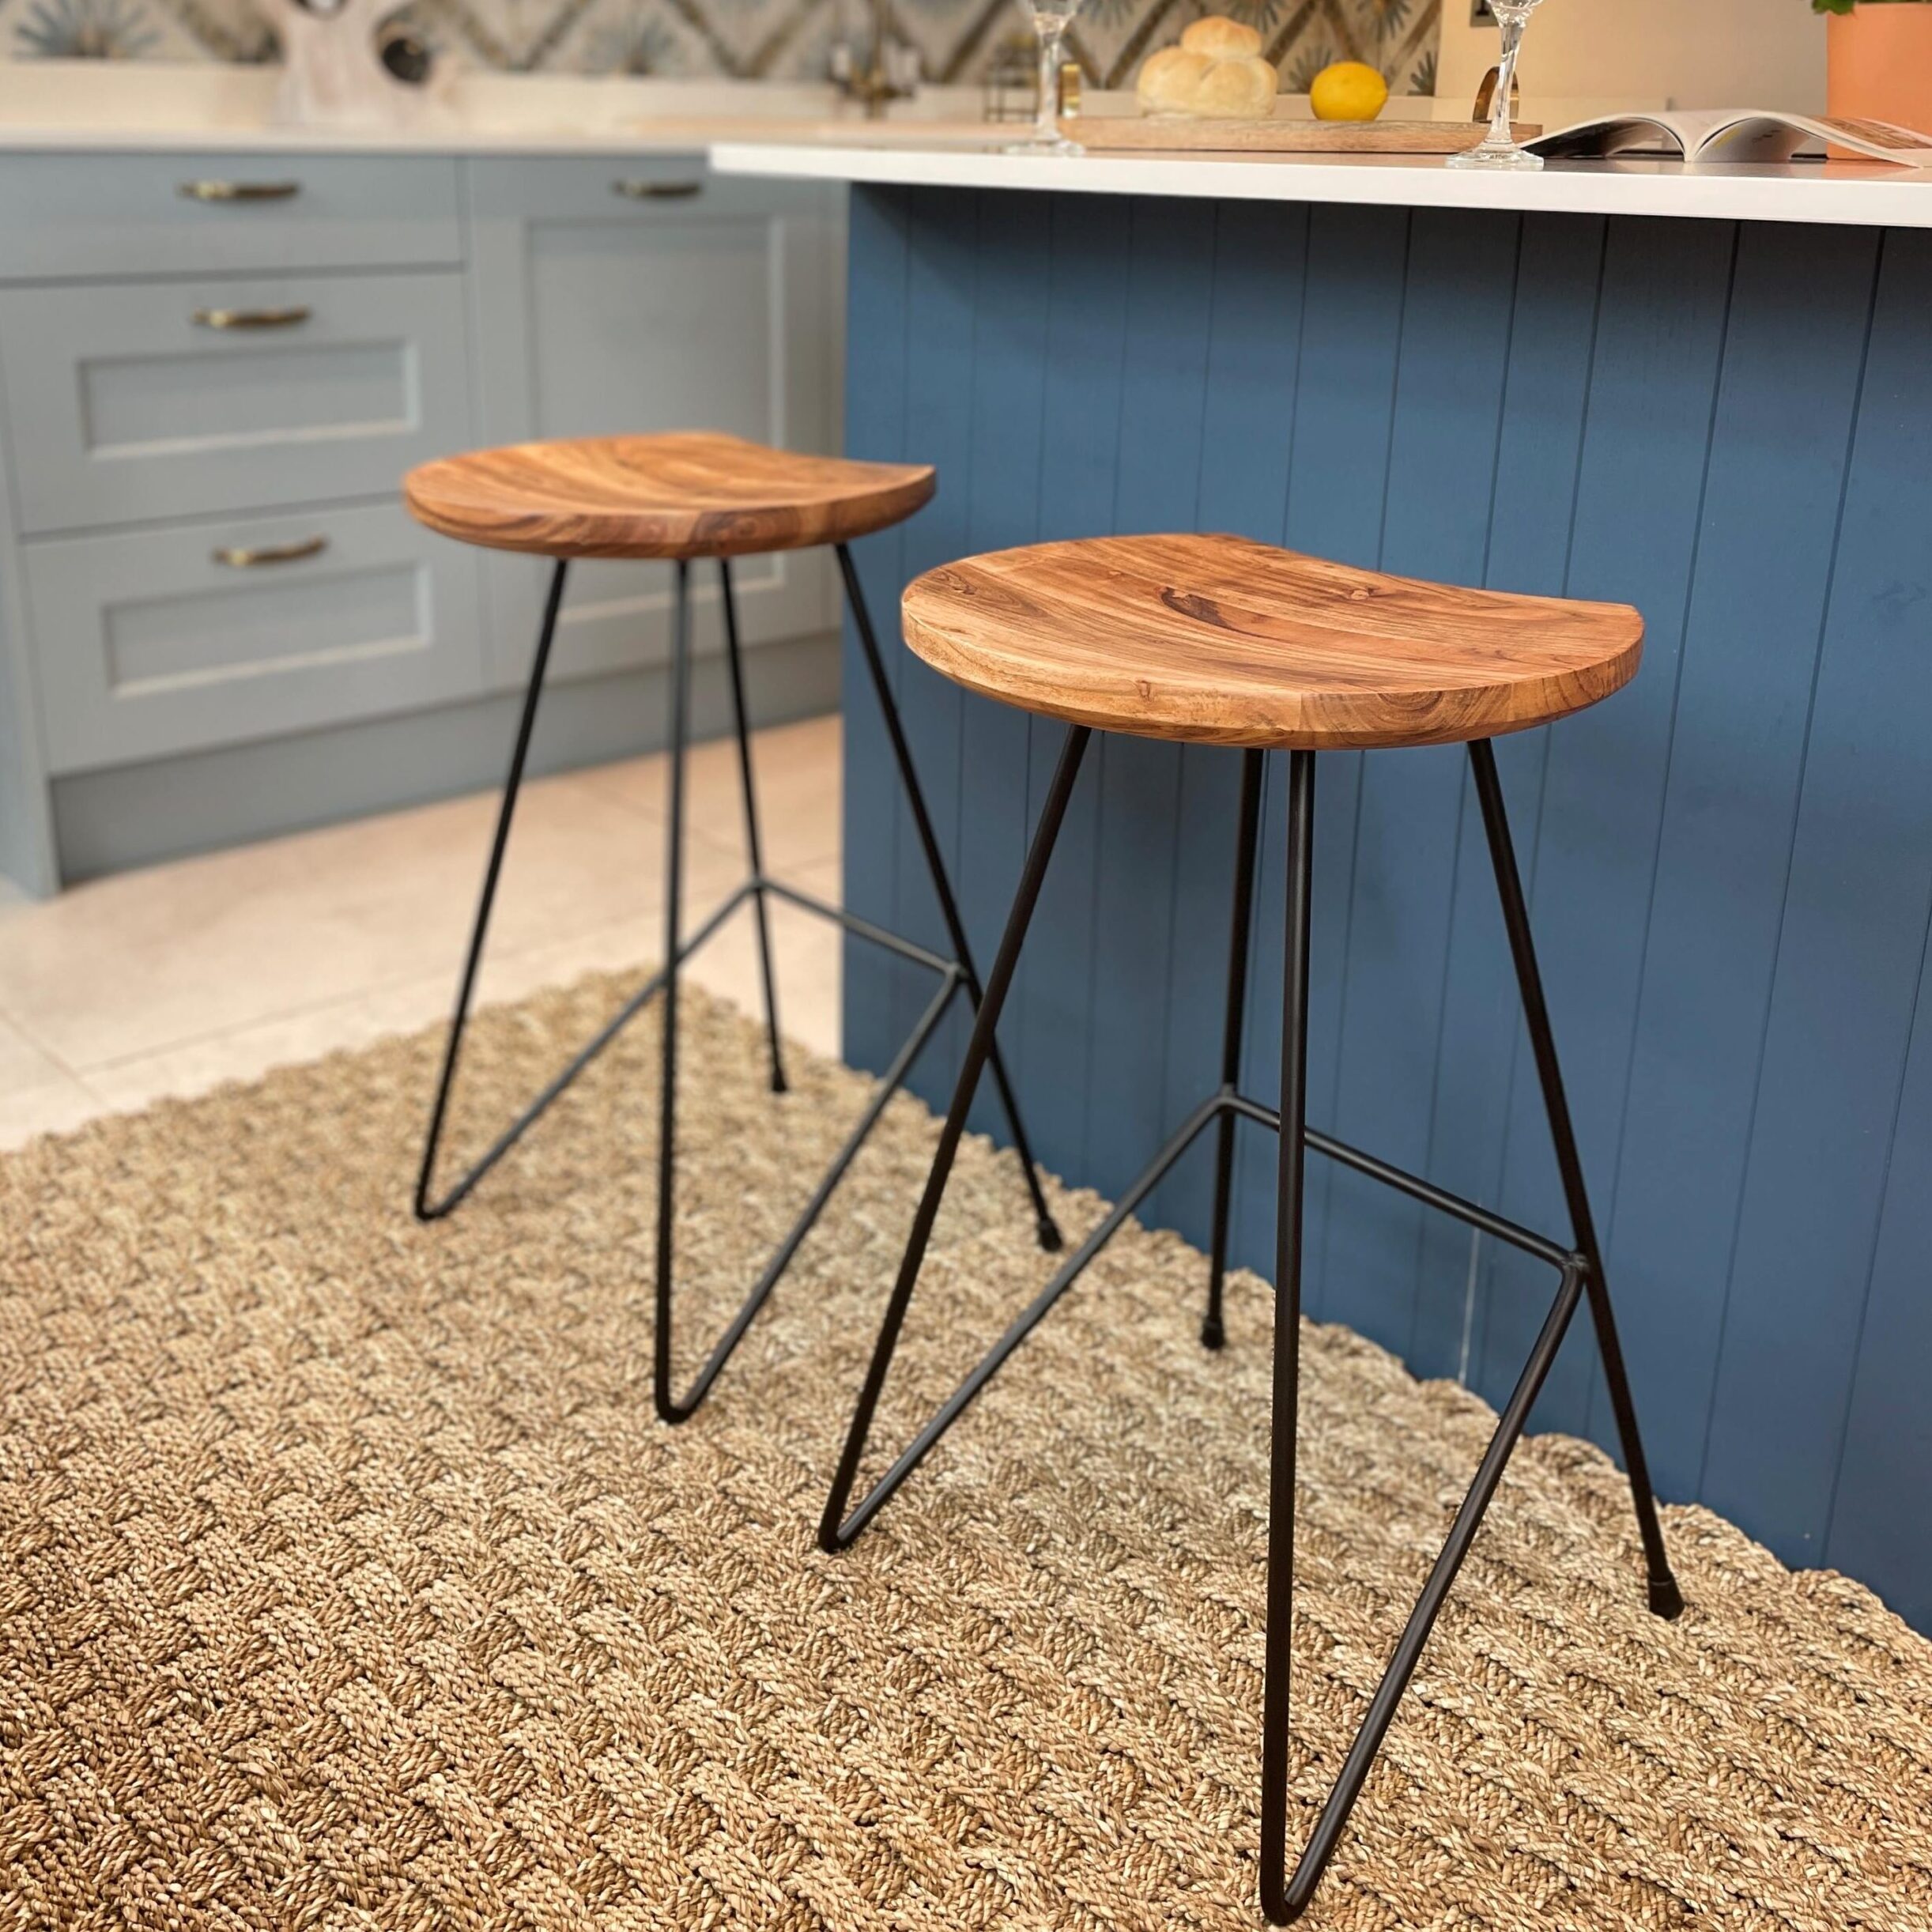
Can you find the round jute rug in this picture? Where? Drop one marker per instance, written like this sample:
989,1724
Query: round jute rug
346,1580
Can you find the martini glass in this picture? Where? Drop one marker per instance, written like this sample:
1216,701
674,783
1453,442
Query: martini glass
1050,18
1500,148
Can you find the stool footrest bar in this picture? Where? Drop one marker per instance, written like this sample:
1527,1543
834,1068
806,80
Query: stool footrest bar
429,1210
859,928
1026,1321
1292,1900
1414,1185
889,1082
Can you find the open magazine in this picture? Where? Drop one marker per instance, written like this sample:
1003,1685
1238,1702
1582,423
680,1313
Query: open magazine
1733,134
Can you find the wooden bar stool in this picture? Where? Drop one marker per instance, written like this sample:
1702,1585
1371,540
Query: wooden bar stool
683,497
1223,641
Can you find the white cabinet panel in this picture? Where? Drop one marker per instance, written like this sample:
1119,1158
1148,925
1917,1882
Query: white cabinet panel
168,398
641,294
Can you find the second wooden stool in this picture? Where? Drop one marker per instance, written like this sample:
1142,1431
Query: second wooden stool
1221,640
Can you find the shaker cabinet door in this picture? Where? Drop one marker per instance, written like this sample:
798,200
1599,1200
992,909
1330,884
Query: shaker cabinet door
146,400
641,293
181,635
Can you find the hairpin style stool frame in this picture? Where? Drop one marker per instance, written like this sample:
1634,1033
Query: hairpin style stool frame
683,497
1221,641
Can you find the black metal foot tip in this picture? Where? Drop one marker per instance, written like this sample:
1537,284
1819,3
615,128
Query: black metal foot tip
1666,1599
1051,1240
1281,1908
1213,1334
780,1083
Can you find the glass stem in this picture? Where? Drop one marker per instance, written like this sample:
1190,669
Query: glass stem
1046,122
1511,23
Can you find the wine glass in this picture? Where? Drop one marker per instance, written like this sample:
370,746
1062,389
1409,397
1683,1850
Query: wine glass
1050,18
1500,148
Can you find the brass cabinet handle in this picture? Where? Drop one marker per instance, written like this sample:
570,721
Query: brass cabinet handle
240,190
251,318
272,554
657,190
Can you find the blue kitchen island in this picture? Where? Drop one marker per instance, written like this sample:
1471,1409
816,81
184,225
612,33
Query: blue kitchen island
1709,395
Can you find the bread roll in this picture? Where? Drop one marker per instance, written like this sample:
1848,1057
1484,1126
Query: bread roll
1216,73
1235,90
1221,39
1169,79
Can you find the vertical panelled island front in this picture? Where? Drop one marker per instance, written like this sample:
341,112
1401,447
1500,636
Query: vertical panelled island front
1703,392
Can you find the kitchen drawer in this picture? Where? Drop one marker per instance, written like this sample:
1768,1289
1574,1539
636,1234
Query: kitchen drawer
645,294
147,645
132,403
130,214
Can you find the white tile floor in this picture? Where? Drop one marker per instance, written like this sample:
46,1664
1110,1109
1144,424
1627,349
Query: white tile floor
171,980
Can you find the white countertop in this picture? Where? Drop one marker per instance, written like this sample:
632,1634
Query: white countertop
807,132
139,107
1854,193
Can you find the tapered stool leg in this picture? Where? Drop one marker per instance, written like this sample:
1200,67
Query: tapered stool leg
835,1531
427,1209
667,1096
956,975
754,849
1048,1229
1213,1331
1666,1599
1287,1393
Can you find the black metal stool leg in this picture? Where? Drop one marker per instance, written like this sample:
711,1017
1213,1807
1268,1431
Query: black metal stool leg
1284,1904
1049,1232
426,1208
753,849
1287,1393
955,976
1214,1332
1666,1599
835,1531
1285,1895
667,1096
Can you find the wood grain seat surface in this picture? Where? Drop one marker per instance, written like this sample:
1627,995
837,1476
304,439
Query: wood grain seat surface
1228,641
685,494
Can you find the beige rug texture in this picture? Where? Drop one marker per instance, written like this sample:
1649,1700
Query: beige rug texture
347,1582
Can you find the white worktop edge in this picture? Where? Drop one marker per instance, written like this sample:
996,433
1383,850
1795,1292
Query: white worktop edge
1858,196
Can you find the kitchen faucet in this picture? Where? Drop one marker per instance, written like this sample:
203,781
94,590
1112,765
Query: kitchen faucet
878,83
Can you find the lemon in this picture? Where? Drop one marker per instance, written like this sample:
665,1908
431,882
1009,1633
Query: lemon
1350,90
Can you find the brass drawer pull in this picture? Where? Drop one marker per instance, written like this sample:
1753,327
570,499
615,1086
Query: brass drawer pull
240,190
657,190
272,554
250,317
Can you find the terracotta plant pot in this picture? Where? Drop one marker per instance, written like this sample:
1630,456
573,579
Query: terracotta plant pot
1879,64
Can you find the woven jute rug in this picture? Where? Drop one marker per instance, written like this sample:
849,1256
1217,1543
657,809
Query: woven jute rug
346,1580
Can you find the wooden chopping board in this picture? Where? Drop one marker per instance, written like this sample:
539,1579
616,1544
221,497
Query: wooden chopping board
1124,133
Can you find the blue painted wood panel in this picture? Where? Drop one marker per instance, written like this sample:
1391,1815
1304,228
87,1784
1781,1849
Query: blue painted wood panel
1730,864
1851,952
874,419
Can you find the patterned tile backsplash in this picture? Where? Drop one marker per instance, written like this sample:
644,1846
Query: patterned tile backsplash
775,39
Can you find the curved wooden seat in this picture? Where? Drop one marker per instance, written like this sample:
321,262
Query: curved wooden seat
1233,642
686,493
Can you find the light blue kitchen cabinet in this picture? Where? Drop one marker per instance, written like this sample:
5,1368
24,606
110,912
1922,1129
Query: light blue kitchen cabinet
214,370
223,392
174,638
639,294
70,216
